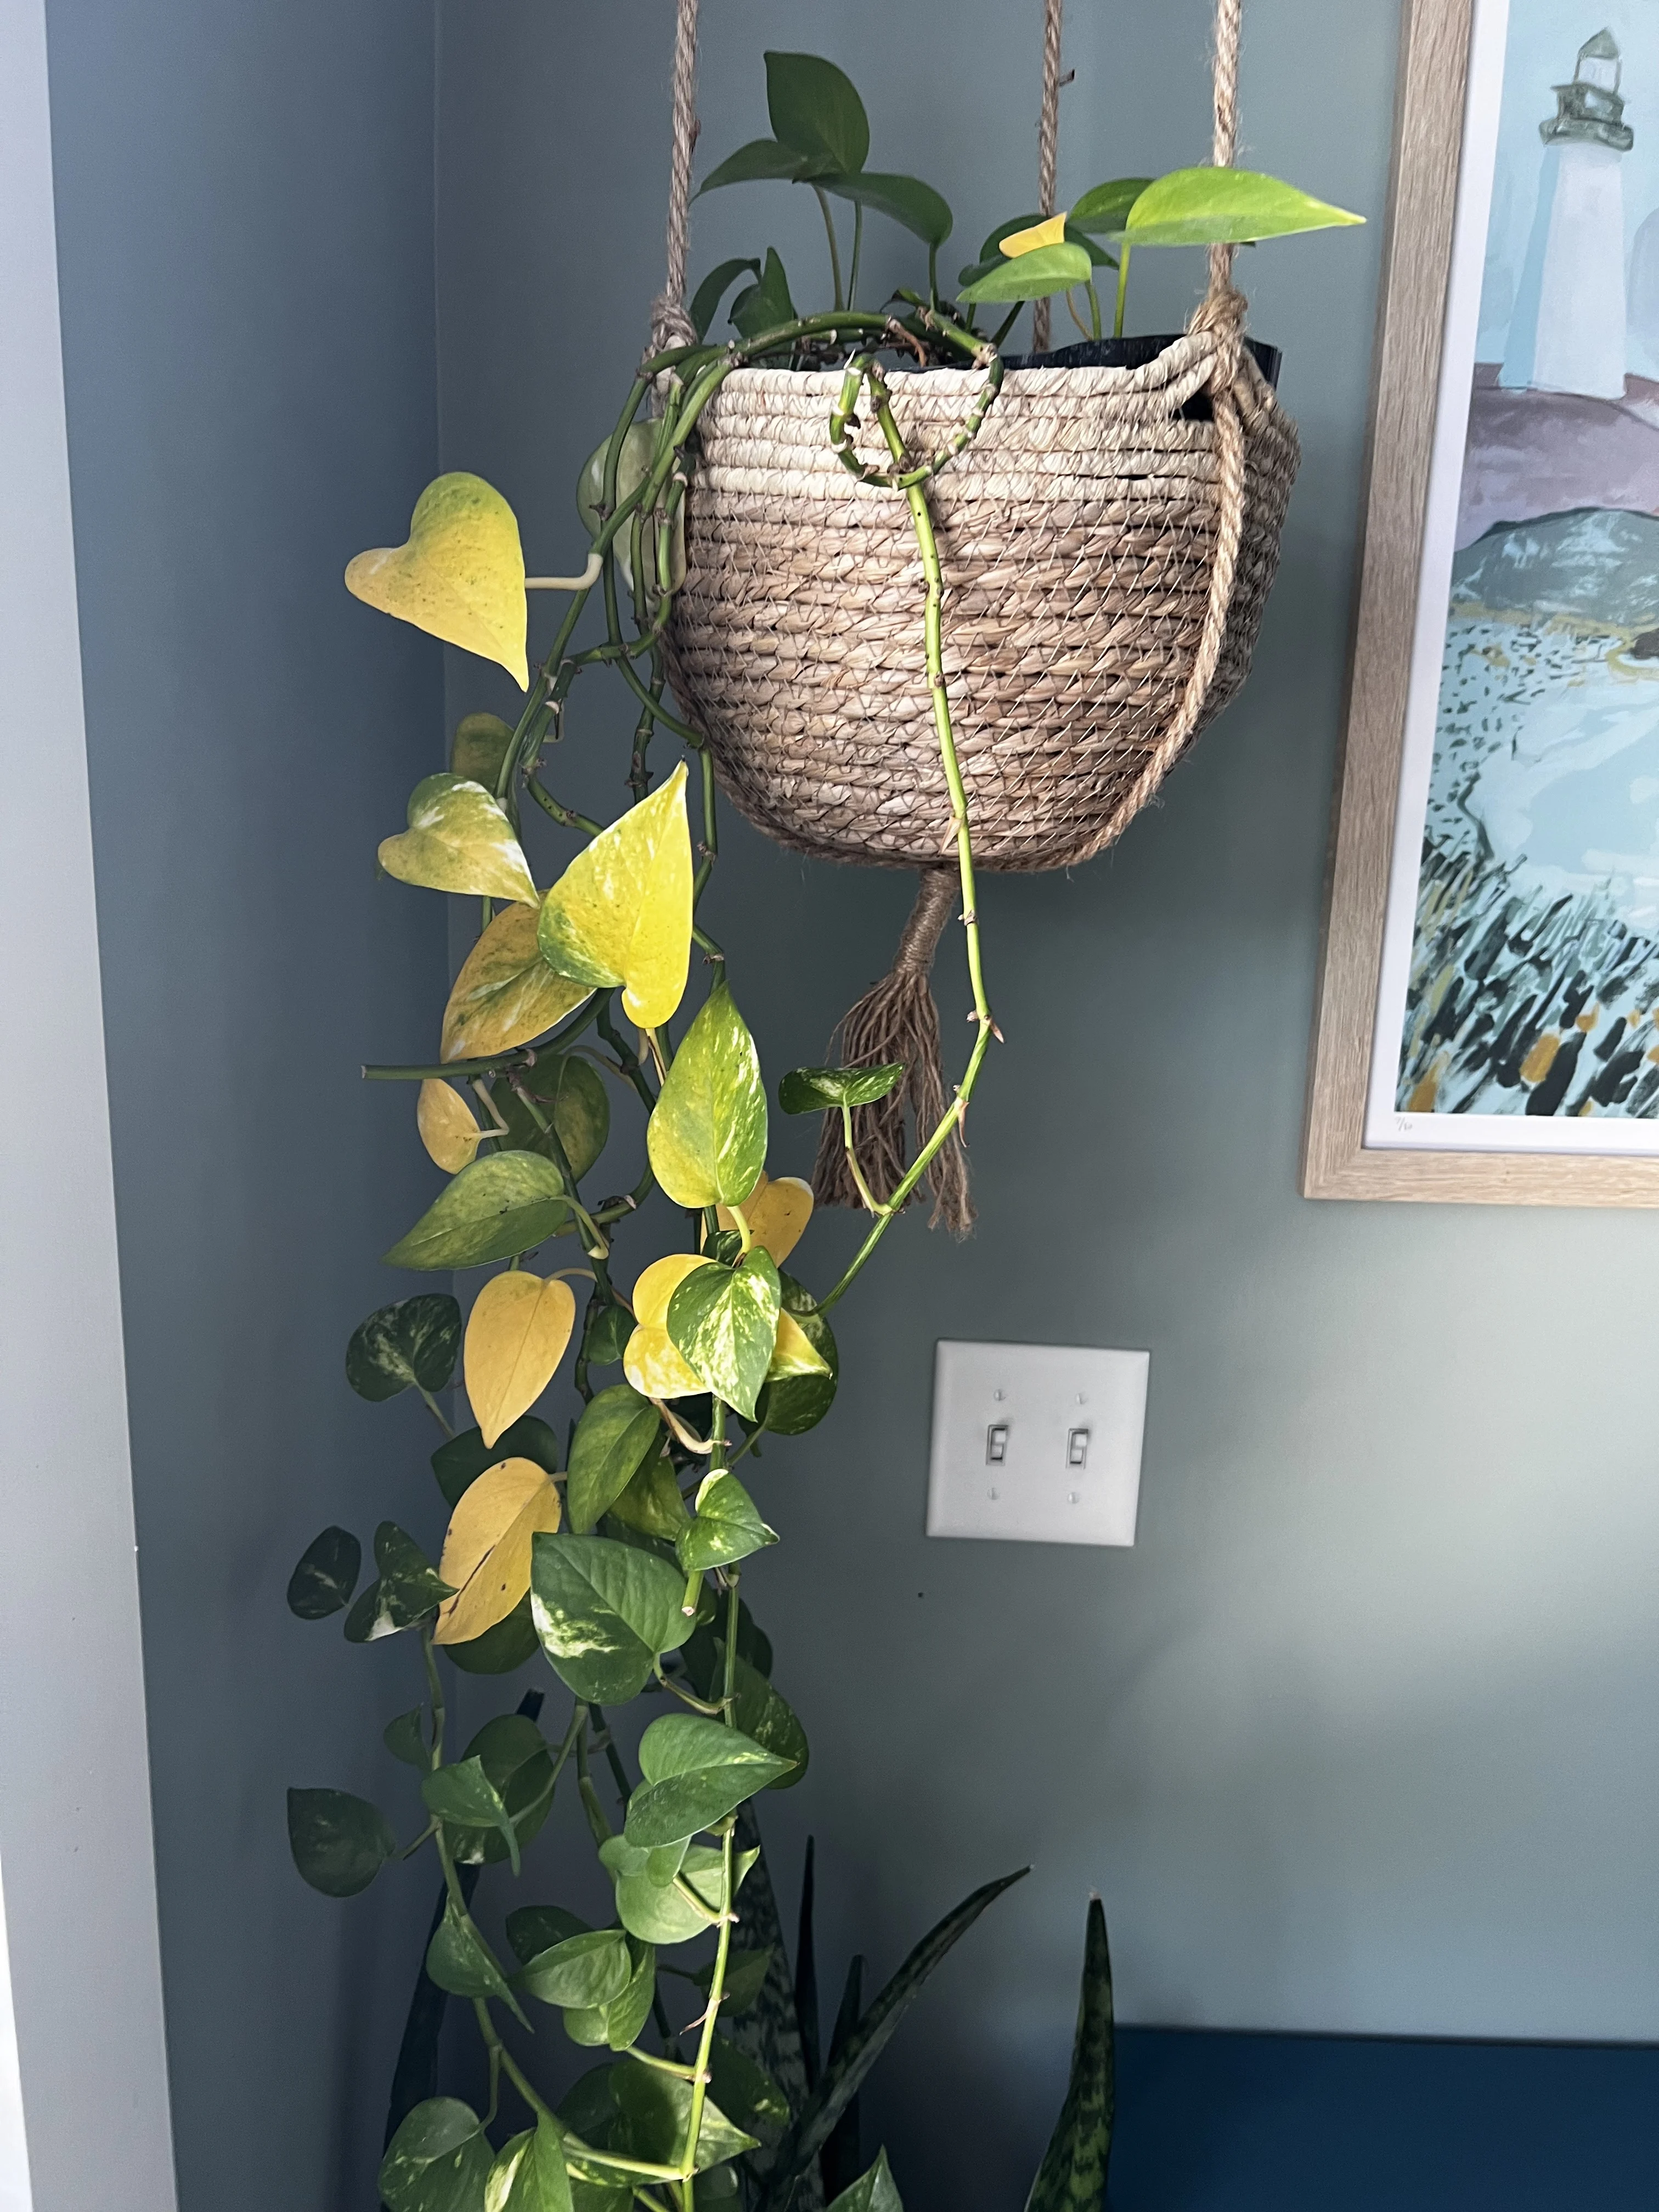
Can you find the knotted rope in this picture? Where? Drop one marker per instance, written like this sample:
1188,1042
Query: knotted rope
671,326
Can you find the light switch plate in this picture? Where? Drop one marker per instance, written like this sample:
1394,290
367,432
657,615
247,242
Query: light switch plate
1037,1444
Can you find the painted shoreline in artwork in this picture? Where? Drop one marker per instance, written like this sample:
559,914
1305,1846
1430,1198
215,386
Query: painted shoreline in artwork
1533,989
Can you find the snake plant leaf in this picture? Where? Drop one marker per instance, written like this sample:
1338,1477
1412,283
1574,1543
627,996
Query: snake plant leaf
448,1126
457,840
494,1210
917,207
777,1211
613,1437
728,1527
505,993
323,1581
413,1342
339,1842
516,1336
1032,275
746,2092
814,108
461,574
1105,208
705,302
565,1090
459,1960
487,1552
605,1613
405,1738
478,749
459,1462
877,2191
696,1772
409,1587
529,2174
592,1969
765,304
656,2110
438,2161
762,160
707,1137
819,1090
464,1796
634,461
1073,2175
1214,207
723,1321
841,2078
652,1502
621,912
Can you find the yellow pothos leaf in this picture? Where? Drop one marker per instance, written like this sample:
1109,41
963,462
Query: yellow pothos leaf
650,1361
794,1353
515,1338
457,840
486,1554
621,912
505,993
1051,233
460,575
448,1127
777,1213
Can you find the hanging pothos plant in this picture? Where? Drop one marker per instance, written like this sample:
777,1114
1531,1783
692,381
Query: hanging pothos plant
616,1551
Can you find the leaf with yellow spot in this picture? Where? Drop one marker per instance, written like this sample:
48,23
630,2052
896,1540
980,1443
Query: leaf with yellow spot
650,1361
505,993
487,1552
515,1338
777,1211
448,1127
621,912
457,840
461,574
1050,233
794,1352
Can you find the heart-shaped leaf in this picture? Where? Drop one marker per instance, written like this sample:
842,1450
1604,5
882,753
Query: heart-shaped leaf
464,1796
633,464
1211,207
457,840
501,1650
718,282
487,1552
814,109
621,912
650,1361
728,1527
533,1928
763,159
746,2092
1050,231
516,1336
612,1439
327,1574
777,1211
1106,208
459,1463
494,1210
583,1970
652,1502
516,1760
566,1091
814,1089
1032,275
907,200
794,1353
339,1842
875,2191
605,1613
764,1714
619,2022
459,1960
405,1738
724,1323
656,2110
478,749
792,1404
438,2161
529,2174
448,1126
505,993
410,1588
696,1772
656,1914
413,1342
765,305
707,1138
460,575
991,255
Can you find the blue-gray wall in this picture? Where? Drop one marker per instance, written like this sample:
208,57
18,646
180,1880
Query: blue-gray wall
245,221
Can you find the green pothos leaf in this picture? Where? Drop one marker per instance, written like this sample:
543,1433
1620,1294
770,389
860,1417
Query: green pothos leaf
438,2161
723,1321
327,1574
412,1343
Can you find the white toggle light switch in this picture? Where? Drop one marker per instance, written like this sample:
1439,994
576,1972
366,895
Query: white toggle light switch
1060,1425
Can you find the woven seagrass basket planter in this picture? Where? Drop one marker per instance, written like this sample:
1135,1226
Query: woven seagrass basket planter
1079,535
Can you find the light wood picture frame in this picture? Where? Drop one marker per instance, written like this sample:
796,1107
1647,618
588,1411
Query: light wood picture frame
1379,1125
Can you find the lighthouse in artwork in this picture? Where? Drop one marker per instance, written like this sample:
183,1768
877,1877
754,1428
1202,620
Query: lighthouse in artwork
1568,331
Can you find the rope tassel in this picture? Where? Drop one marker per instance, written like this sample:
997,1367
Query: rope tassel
897,1020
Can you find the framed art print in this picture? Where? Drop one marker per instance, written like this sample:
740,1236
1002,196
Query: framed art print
1488,1021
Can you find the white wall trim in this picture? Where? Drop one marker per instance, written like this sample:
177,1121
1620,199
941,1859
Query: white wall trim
75,1843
